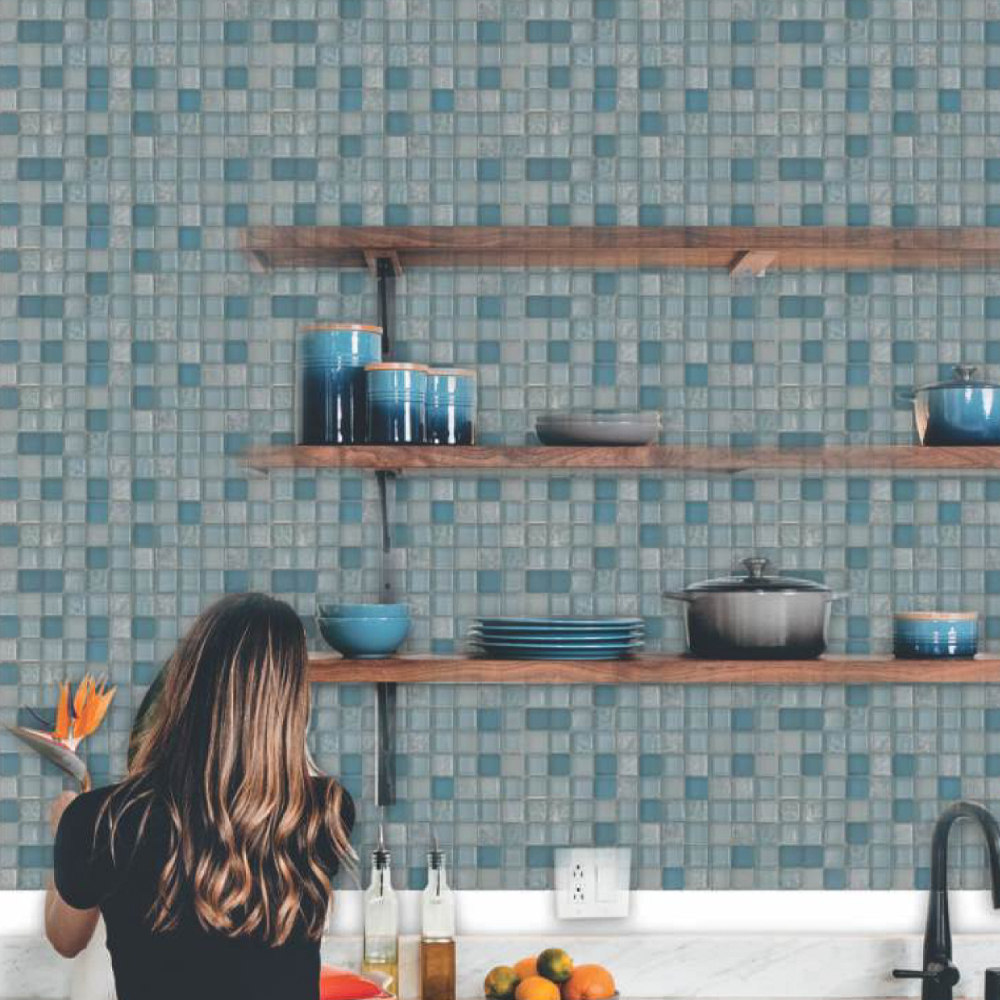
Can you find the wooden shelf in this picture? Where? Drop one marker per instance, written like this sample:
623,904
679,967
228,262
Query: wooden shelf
653,669
739,249
665,457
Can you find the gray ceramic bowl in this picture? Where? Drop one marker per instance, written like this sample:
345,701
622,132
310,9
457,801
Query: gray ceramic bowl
364,638
597,431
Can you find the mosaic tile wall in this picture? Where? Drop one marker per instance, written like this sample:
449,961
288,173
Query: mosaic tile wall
139,355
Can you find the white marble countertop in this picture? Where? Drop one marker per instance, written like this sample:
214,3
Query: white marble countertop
645,966
674,946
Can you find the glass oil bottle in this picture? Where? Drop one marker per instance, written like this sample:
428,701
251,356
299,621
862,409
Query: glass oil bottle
381,921
437,933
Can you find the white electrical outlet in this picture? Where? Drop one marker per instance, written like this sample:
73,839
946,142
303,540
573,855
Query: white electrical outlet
592,882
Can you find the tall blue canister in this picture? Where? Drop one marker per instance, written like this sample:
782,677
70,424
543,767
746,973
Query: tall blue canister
331,378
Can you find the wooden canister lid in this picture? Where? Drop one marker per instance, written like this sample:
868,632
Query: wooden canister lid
321,327
469,372
394,366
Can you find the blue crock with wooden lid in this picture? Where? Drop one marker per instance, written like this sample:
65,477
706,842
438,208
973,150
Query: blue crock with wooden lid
331,359
451,406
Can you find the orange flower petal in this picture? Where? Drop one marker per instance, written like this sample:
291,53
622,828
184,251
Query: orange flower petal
61,731
94,710
80,698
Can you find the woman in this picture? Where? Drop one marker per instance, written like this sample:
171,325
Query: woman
212,861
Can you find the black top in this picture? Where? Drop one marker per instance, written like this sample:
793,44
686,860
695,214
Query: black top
188,963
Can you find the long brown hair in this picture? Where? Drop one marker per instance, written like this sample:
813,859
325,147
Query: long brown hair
225,753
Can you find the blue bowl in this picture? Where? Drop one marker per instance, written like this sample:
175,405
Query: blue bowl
364,638
339,609
935,635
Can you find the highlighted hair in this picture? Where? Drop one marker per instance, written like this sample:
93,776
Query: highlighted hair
225,753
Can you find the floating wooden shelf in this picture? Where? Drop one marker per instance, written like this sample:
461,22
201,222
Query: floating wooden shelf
739,249
653,669
665,457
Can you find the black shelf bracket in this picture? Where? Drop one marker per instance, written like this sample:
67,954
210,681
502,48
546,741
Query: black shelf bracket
386,269
385,770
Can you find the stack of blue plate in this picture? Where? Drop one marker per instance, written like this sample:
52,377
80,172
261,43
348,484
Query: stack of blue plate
557,638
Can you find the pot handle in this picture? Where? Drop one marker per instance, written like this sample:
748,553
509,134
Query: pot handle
905,395
677,595
840,595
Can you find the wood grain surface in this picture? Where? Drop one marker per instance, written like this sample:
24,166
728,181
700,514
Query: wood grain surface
666,457
791,247
653,669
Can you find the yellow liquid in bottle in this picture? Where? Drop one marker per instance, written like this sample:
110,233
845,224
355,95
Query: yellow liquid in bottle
387,968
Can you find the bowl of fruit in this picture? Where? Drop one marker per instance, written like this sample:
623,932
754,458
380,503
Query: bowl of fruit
549,976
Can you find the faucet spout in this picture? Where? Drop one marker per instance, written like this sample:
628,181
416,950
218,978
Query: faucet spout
939,973
939,844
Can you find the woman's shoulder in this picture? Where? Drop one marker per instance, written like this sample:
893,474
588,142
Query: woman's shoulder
84,811
83,863
91,817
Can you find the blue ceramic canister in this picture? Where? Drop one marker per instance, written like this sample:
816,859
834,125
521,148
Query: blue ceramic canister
397,393
451,406
935,634
962,411
331,378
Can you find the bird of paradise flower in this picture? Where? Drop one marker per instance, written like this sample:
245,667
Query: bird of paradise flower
76,719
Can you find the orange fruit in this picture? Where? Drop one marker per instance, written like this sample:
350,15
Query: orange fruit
555,964
537,988
589,982
500,983
526,968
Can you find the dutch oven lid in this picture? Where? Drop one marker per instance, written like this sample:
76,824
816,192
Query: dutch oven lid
965,378
756,579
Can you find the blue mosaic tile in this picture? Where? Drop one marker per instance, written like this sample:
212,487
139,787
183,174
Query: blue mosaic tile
140,355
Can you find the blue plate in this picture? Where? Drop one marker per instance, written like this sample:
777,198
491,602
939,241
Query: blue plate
523,635
547,629
562,622
564,647
490,654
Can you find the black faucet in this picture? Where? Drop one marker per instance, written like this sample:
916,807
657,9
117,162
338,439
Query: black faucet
939,973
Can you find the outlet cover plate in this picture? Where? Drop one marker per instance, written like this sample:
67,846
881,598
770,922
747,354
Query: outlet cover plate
592,883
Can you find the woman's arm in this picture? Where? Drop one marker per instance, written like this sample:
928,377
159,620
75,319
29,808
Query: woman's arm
68,929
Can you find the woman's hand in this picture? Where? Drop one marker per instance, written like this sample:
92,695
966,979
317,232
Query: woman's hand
59,807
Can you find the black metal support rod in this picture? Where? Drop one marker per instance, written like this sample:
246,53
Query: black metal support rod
387,591
385,765
385,785
386,304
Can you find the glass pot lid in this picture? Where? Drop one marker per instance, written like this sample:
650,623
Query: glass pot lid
757,579
964,378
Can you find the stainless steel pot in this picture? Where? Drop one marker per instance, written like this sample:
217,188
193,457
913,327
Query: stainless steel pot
756,616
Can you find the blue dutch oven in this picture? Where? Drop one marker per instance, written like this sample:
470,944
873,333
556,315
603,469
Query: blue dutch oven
962,411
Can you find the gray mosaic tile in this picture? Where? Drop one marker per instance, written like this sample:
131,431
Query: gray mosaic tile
139,355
